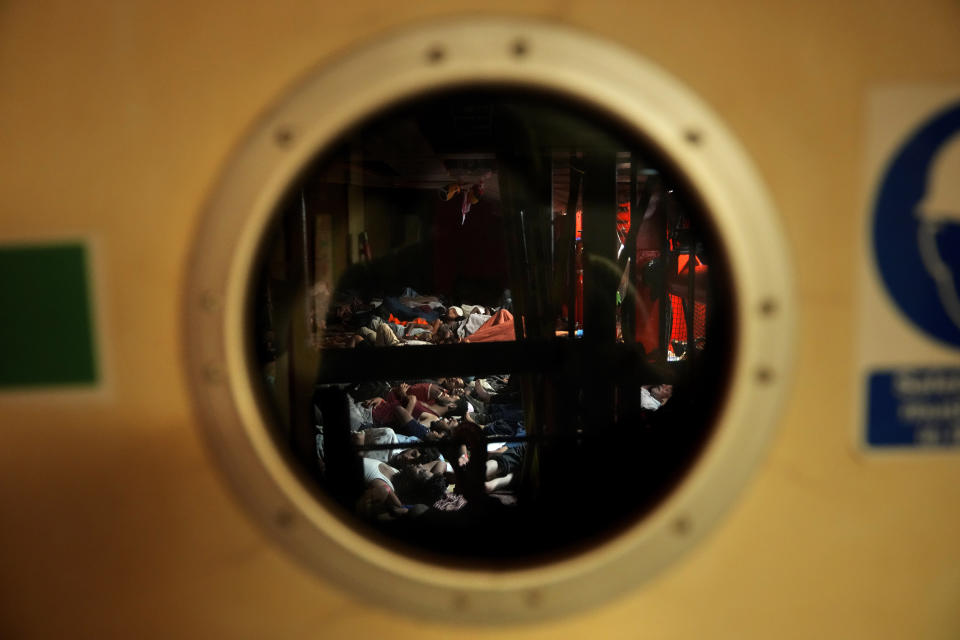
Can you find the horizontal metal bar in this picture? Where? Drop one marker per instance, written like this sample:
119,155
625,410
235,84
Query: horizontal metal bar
553,438
559,356
433,444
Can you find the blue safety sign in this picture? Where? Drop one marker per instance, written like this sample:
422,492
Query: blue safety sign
916,227
914,407
911,366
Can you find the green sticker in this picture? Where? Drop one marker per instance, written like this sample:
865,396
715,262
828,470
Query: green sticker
46,327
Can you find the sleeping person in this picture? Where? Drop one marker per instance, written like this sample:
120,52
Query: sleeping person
390,492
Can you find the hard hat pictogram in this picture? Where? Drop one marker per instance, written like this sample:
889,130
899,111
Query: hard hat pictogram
916,227
939,215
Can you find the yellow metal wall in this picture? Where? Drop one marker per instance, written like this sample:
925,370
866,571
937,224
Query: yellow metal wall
115,119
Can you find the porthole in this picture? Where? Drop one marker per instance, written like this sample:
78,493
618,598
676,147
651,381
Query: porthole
491,326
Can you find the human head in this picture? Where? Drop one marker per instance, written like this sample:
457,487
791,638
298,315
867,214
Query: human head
444,335
414,484
452,384
413,456
443,426
457,406
662,392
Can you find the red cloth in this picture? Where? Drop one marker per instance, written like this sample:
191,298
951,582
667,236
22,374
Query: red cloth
395,320
384,414
679,284
421,391
498,328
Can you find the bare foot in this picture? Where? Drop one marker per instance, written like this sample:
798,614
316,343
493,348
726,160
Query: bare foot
498,483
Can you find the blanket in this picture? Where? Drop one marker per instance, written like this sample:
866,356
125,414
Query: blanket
499,328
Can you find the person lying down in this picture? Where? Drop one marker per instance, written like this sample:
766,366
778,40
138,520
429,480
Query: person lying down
392,493
451,327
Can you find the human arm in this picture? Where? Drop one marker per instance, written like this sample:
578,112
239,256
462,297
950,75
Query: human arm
400,391
404,413
436,467
380,502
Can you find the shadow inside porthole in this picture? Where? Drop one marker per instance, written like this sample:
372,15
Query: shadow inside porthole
494,327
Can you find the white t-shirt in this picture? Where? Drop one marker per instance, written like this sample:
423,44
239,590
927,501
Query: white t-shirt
375,470
380,435
647,401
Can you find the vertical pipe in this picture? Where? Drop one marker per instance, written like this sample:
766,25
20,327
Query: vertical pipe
628,308
309,307
600,245
302,356
600,280
691,304
355,204
570,237
666,263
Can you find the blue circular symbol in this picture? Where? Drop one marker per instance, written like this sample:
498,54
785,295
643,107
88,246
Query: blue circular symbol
916,227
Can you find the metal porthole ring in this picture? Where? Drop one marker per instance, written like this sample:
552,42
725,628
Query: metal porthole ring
456,53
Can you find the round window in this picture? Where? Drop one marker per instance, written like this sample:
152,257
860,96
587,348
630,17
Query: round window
564,308
491,326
